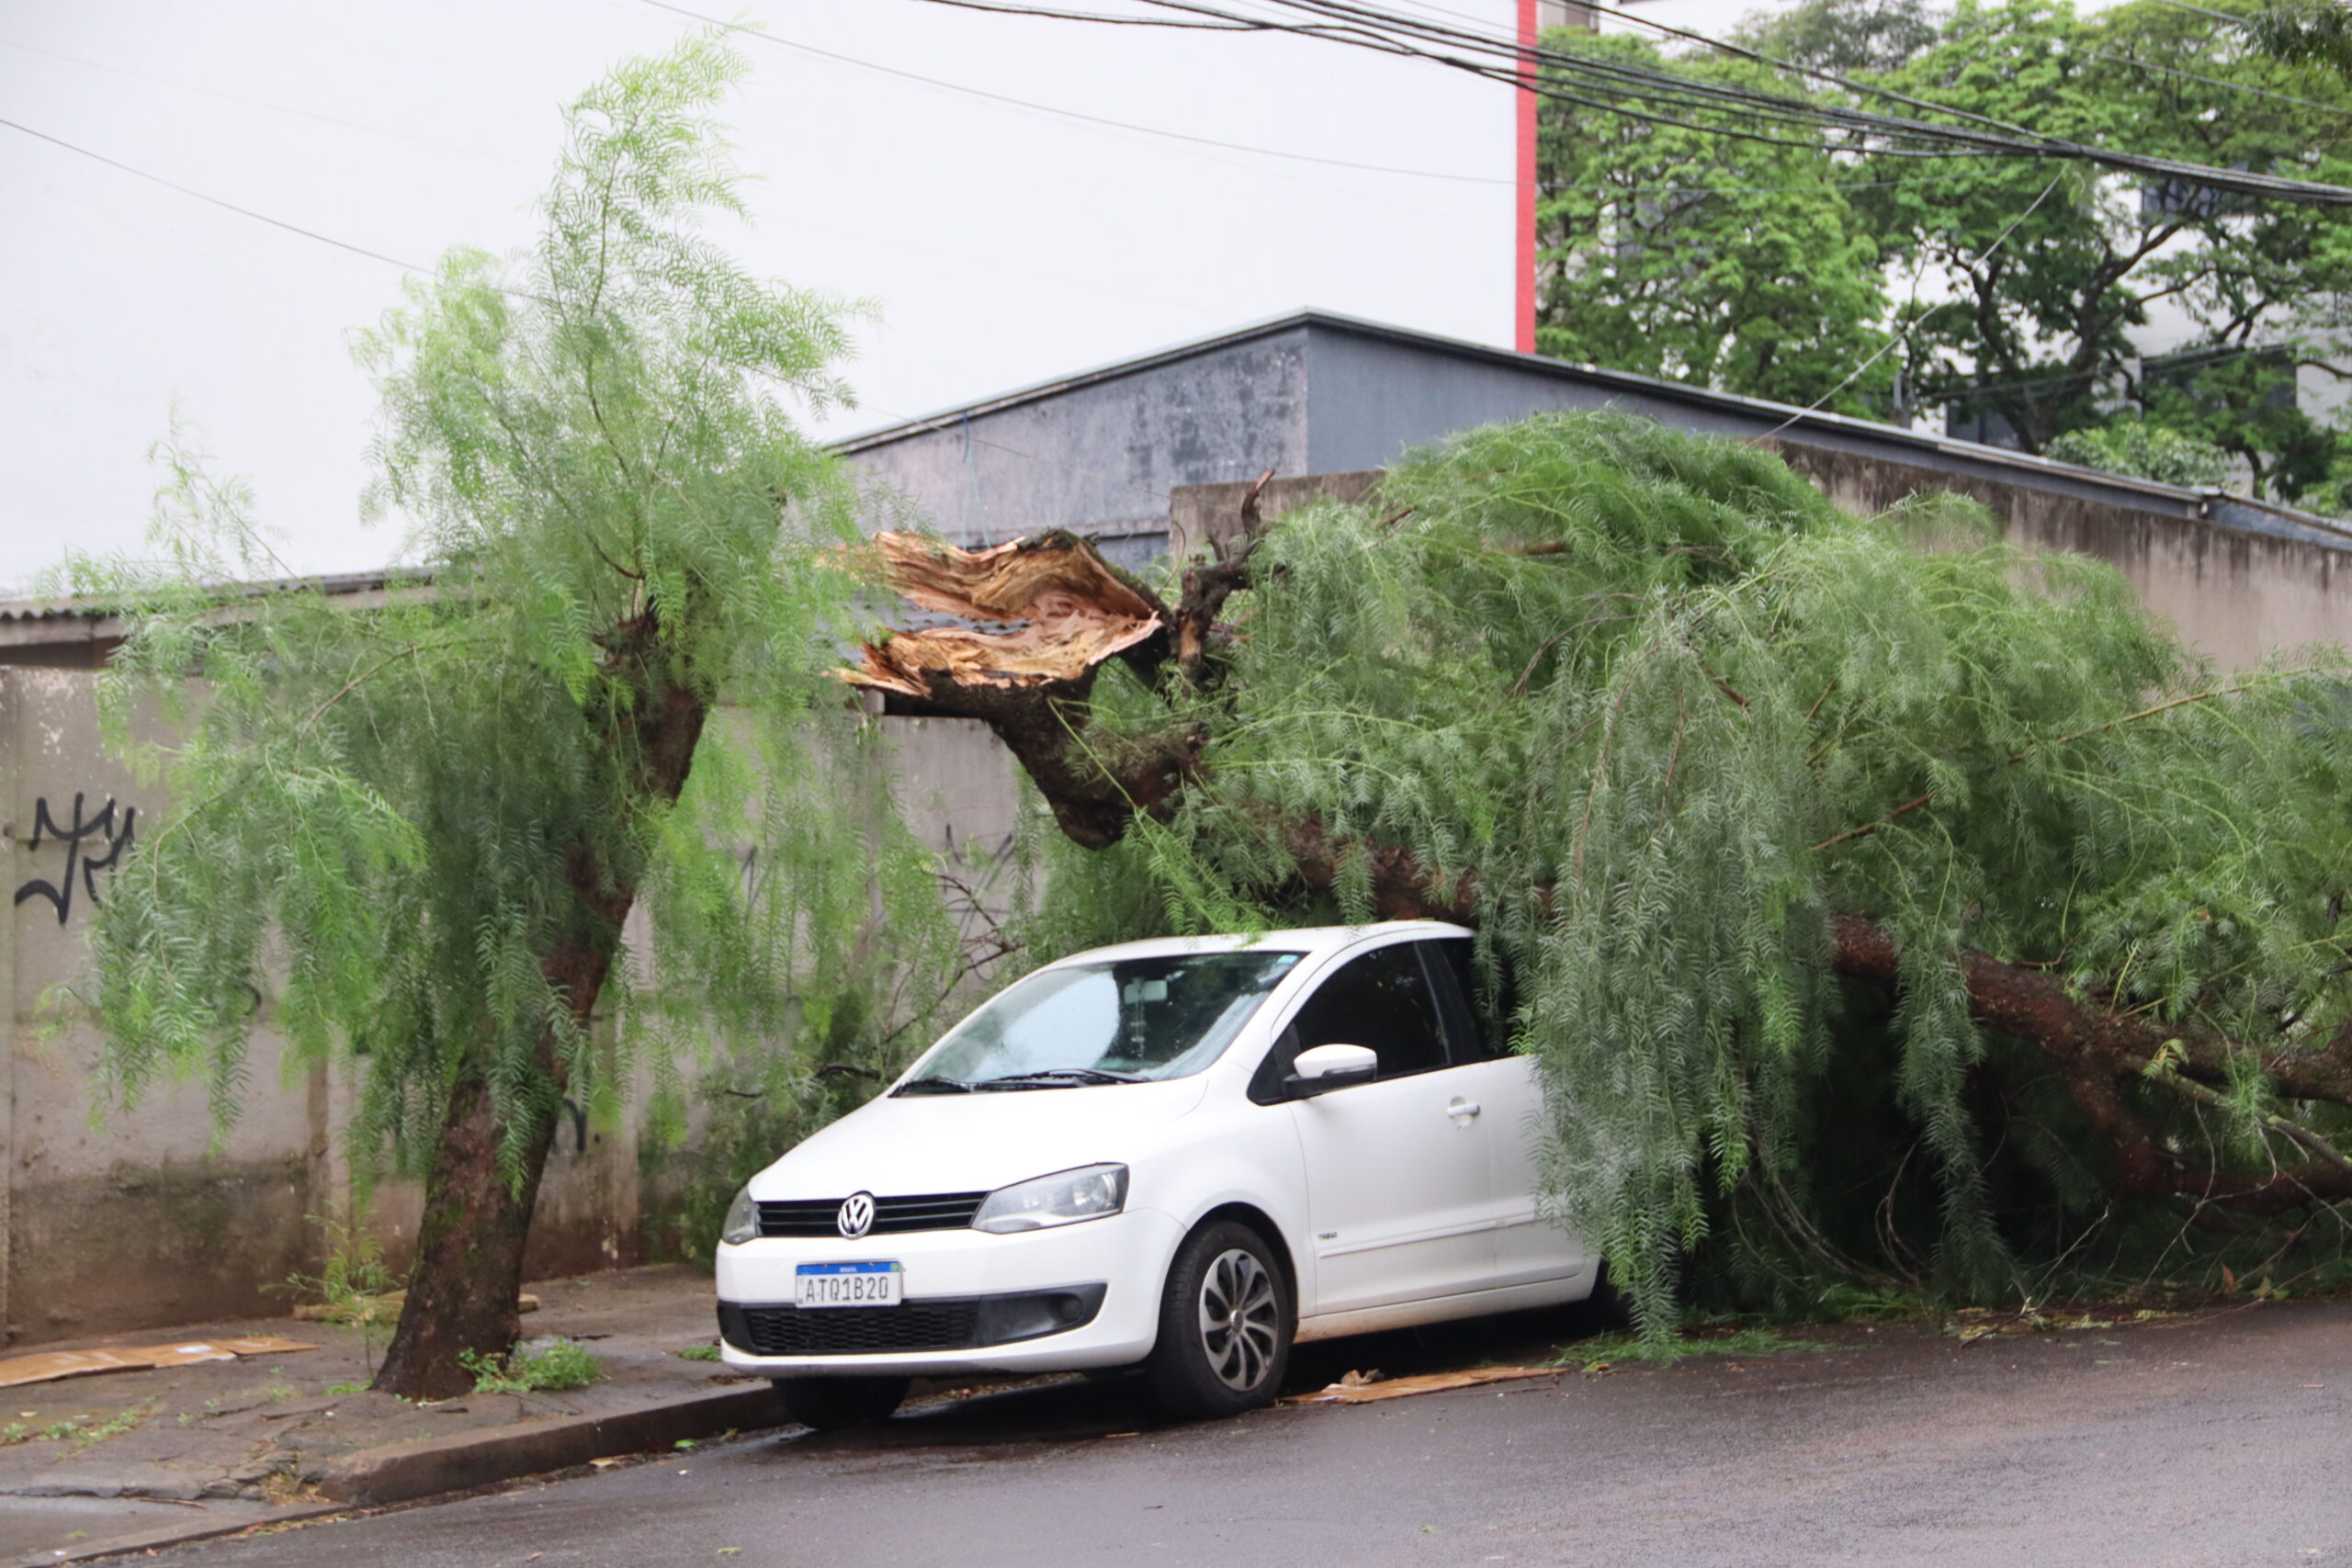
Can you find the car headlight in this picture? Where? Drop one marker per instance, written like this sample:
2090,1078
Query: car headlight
742,1220
1064,1198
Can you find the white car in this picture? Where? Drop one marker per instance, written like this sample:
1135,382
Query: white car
1186,1154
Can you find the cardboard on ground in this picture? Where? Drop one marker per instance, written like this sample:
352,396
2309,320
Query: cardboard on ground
48,1366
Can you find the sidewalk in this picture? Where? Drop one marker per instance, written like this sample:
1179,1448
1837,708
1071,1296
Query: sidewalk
141,1458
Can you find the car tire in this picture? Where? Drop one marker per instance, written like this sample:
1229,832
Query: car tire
1225,1320
1607,1311
827,1404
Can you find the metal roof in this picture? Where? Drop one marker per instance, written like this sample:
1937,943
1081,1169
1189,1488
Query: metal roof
1784,422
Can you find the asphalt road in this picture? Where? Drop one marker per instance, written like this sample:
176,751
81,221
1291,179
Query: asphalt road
2222,1442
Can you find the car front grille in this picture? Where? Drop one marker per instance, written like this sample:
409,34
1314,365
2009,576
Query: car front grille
937,1323
892,1216
945,1325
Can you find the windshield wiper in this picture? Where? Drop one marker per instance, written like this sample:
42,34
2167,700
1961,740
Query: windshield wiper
935,1086
1060,1077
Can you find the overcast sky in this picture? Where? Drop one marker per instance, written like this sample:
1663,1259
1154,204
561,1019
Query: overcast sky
1000,244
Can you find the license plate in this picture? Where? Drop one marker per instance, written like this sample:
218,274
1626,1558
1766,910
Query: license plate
848,1285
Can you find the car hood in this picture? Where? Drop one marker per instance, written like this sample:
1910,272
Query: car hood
974,1143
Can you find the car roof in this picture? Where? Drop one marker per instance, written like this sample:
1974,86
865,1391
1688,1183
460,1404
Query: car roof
1310,940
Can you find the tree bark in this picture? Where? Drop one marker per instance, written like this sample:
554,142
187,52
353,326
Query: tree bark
1038,708
2099,1051
466,1280
467,1277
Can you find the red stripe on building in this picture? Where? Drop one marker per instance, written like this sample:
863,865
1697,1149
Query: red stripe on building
1523,254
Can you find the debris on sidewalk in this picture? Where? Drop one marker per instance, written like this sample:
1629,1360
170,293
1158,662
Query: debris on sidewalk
379,1309
1362,1388
48,1366
229,1427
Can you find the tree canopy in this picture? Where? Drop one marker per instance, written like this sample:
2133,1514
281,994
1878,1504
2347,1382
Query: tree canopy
1879,902
2011,295
416,828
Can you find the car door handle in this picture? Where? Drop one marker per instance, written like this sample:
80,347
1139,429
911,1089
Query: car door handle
1463,1109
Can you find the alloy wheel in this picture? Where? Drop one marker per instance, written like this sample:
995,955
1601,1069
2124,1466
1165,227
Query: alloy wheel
1239,1319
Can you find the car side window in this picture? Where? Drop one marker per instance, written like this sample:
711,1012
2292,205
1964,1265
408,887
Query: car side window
1477,1020
1382,1001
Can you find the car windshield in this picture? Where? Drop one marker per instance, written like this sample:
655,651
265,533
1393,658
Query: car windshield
1112,1022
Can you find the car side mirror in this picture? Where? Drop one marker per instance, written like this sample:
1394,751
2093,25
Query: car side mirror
1326,1067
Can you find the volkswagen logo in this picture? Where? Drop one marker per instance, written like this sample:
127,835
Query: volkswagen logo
857,1216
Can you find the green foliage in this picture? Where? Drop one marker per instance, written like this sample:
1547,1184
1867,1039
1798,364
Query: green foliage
399,820
2021,292
2308,32
699,1353
1841,37
1672,712
350,1286
2144,451
1700,256
79,1432
747,1108
553,1368
2042,338
1747,1343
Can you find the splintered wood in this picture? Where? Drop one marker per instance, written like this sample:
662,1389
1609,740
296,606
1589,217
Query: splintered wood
50,1365
1358,1389
1068,612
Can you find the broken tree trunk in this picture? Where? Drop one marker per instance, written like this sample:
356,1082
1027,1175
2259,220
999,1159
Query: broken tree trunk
1049,612
1067,613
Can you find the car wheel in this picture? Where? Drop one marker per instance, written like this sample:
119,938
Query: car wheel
1224,1326
1607,1311
828,1402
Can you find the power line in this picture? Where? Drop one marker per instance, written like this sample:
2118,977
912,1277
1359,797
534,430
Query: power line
1063,113
214,201
2217,81
2036,142
1910,326
255,103
1390,33
1005,8
2203,11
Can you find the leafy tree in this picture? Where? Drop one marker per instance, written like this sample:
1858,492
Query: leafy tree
420,830
1924,916
1699,256
2144,451
2020,291
1840,38
2043,283
2313,32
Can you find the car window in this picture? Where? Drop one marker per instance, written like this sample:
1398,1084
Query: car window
1132,1018
1382,1001
1477,1018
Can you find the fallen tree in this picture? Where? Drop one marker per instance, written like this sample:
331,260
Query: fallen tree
1877,900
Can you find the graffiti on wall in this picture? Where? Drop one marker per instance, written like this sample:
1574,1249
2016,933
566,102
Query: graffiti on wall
94,842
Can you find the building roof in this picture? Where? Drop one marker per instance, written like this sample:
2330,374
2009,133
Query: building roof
1673,402
1363,392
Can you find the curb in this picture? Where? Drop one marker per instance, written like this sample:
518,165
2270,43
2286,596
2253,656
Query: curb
167,1535
401,1472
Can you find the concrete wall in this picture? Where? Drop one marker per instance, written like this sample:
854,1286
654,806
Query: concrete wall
2231,593
153,1216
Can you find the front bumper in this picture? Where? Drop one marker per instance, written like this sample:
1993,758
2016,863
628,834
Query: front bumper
961,1286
